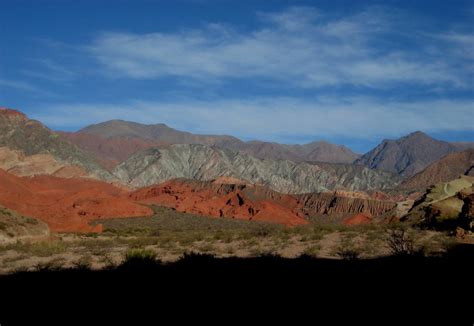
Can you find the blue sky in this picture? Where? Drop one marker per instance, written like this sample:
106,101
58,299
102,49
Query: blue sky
350,72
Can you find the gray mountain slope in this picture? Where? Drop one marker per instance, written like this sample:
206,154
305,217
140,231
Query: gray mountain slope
408,155
319,151
192,161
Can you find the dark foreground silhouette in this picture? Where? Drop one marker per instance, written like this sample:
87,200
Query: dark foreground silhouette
200,286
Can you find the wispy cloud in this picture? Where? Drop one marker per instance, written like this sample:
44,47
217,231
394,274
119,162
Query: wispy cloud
50,70
25,87
277,118
300,46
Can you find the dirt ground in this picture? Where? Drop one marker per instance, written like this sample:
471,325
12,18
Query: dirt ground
170,235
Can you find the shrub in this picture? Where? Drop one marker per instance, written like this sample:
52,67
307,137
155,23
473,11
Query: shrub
140,258
83,263
312,251
347,250
348,253
400,243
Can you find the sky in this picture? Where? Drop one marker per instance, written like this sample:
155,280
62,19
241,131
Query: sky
348,72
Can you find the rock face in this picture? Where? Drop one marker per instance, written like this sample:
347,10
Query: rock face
446,205
19,164
408,155
123,132
247,202
199,162
343,204
29,138
16,227
258,203
67,204
443,170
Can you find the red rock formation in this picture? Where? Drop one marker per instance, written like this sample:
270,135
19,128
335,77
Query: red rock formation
357,219
242,201
70,204
67,205
253,202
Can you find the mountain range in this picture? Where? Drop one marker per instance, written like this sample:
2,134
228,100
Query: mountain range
100,138
112,142
200,162
114,168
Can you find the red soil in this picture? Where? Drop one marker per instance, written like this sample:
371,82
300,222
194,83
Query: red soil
67,205
357,219
245,202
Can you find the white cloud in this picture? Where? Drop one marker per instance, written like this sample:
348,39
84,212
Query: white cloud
24,87
277,118
50,70
300,46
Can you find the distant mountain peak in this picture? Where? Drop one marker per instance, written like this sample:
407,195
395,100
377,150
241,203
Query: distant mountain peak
416,135
407,155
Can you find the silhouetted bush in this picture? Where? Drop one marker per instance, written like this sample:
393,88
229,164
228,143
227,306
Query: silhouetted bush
400,242
348,253
140,258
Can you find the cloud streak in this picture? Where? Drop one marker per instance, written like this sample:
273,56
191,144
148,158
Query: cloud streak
25,87
300,46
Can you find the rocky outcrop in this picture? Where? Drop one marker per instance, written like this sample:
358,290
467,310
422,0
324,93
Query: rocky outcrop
343,204
467,212
19,164
239,201
408,155
156,165
31,138
445,205
443,170
67,205
256,202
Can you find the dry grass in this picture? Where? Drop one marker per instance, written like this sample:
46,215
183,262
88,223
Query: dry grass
170,234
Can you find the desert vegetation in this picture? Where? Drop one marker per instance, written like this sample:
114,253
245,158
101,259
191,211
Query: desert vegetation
169,235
